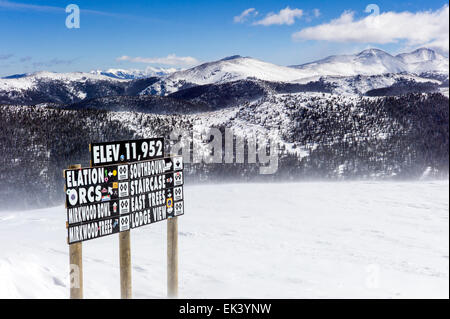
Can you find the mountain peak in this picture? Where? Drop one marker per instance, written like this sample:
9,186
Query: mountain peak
15,76
375,61
425,60
419,55
419,50
372,52
133,74
232,57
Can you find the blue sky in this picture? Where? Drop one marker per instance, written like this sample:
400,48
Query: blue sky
137,34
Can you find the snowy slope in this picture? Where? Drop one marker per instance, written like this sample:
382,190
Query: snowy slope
310,240
225,70
367,62
424,60
375,61
361,84
30,80
135,73
371,62
51,87
359,73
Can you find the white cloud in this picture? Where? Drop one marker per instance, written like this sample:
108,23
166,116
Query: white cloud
424,28
23,6
171,59
244,15
316,13
16,6
285,16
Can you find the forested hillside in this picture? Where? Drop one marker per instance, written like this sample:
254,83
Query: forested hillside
320,136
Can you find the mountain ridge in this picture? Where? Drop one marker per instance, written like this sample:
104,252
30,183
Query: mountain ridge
352,74
367,62
376,61
133,74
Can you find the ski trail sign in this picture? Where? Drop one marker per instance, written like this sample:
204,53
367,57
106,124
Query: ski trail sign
107,153
105,200
129,184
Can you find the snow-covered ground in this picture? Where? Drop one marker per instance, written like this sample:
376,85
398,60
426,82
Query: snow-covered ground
30,81
375,61
302,240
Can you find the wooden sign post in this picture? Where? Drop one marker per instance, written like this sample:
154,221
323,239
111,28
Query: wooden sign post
125,264
76,264
172,257
129,184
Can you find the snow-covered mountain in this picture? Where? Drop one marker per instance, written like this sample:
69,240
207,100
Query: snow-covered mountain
350,74
366,63
361,84
28,80
375,61
135,73
320,135
327,126
424,60
41,87
226,70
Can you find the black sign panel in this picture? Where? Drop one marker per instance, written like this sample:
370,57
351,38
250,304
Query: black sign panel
88,186
92,230
88,213
93,194
155,198
94,185
157,213
126,151
156,206
94,176
155,167
105,200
